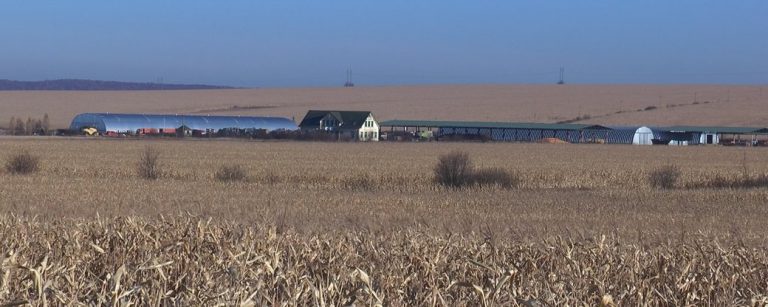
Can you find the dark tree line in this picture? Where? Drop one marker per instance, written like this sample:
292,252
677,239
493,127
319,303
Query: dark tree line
37,126
96,85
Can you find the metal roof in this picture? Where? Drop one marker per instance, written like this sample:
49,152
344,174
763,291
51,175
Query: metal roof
495,125
715,129
131,122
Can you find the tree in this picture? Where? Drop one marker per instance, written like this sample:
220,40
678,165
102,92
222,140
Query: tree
11,125
19,127
46,125
39,127
29,127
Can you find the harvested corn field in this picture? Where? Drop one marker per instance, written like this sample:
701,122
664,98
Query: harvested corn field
187,261
343,223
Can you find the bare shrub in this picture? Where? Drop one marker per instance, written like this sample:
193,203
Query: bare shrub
360,182
233,172
759,181
743,182
149,164
453,169
718,181
495,176
22,163
664,177
270,177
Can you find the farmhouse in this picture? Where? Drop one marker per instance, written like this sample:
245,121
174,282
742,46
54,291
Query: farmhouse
105,123
356,125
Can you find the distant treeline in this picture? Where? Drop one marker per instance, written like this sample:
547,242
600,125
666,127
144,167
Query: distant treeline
96,85
32,126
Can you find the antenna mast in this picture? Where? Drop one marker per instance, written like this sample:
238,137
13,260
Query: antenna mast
349,82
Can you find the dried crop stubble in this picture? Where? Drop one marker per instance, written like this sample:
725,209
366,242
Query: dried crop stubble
384,186
309,217
184,261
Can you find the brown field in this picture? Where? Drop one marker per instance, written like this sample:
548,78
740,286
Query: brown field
605,104
339,223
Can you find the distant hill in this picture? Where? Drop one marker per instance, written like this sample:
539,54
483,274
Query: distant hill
97,85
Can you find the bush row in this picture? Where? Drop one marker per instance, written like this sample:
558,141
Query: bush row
453,170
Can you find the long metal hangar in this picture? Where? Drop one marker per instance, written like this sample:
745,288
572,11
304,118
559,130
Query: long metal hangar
500,131
128,123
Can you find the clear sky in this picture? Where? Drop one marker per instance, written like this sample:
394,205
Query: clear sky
286,43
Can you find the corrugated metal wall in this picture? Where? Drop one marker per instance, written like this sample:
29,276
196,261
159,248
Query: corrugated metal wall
132,122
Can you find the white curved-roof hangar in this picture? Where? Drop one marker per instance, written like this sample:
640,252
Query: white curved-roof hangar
104,122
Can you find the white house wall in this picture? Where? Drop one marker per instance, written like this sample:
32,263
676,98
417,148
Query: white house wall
369,133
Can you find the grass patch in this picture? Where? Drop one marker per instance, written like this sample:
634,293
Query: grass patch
358,183
495,177
229,173
723,182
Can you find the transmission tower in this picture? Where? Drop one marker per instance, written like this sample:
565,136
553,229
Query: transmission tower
349,82
562,76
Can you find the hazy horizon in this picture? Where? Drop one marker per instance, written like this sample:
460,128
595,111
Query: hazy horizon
308,44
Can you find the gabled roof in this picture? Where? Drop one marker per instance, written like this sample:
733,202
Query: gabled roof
348,119
496,125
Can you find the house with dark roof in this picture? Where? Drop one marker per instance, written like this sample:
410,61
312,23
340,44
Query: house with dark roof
357,125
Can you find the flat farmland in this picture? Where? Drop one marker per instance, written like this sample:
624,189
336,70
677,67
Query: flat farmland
600,104
338,223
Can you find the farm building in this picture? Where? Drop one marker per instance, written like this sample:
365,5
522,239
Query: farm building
635,135
136,123
575,133
357,125
498,131
695,135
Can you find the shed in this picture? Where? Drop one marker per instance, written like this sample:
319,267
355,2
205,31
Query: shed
695,135
637,135
502,131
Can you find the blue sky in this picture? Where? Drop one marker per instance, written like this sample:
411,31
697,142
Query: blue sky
284,43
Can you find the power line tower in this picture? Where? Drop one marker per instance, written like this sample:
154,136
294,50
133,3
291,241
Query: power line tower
562,76
349,82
